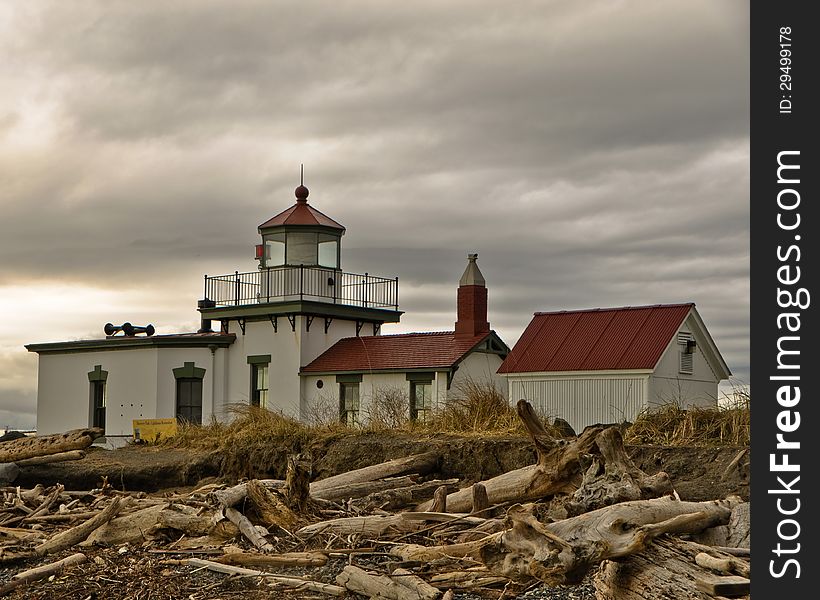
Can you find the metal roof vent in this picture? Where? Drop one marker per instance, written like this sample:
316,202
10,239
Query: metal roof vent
128,329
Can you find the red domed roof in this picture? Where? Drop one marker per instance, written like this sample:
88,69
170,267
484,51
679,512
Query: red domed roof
302,213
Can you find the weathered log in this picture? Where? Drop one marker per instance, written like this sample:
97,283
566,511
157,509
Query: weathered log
234,495
728,585
360,490
75,535
420,588
337,487
666,570
41,572
289,559
248,530
46,504
417,463
402,497
58,517
31,495
481,502
439,501
21,535
297,483
736,533
379,525
376,587
614,478
564,551
52,458
135,527
560,468
187,520
368,526
722,564
271,507
292,583
30,447
467,579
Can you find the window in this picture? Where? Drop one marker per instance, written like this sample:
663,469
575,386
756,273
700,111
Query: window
421,400
259,385
349,403
686,345
328,251
301,248
189,400
98,404
98,396
189,393
275,250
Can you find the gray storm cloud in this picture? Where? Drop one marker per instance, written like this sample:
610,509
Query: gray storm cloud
594,153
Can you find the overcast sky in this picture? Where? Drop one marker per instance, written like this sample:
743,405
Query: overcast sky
594,153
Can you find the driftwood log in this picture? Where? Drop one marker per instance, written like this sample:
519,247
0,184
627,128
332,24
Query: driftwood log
291,583
402,586
417,463
353,484
41,572
30,447
594,468
70,537
51,458
248,530
563,551
668,570
402,497
289,559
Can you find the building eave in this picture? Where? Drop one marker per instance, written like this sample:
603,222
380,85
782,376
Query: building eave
602,373
129,343
260,311
436,368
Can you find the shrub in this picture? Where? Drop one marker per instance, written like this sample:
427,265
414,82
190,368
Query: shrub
389,408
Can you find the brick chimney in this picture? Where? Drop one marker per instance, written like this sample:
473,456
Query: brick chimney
472,301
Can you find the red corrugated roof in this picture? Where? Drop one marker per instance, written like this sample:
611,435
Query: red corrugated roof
301,213
431,350
632,337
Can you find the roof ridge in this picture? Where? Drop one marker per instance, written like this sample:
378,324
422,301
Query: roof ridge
406,334
614,308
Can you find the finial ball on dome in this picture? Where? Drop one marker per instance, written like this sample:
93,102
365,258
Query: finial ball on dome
302,193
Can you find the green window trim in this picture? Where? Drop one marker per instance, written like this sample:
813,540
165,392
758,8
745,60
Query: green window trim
189,371
349,378
259,359
98,374
421,377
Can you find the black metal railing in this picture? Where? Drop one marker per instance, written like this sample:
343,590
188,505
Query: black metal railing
284,284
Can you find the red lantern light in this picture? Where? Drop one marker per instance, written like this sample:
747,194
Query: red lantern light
260,251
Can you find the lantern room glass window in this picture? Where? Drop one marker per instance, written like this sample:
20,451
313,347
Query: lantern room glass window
301,248
328,251
275,250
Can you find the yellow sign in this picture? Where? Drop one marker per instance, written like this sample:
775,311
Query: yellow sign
151,430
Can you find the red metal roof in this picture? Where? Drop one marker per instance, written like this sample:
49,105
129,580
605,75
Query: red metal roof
301,213
596,339
431,350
